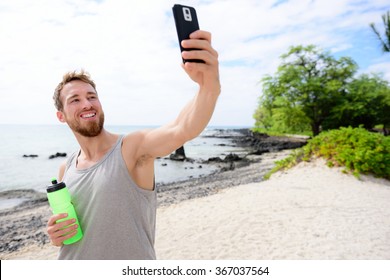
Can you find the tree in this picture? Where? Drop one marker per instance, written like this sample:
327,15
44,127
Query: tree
367,103
370,95
306,88
385,40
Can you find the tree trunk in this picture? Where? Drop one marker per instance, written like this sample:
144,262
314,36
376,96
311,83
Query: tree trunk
385,131
315,128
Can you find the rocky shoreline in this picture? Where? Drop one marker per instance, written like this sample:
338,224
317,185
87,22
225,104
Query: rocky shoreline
25,224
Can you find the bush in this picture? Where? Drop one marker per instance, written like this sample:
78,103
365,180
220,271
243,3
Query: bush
359,151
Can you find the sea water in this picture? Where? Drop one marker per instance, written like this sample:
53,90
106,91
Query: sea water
18,172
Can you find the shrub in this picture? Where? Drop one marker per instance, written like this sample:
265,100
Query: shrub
359,151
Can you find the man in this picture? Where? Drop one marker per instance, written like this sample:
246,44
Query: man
111,178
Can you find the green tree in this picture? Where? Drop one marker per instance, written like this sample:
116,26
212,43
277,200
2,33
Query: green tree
306,88
366,103
385,39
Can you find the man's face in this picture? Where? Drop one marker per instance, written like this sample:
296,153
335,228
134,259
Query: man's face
82,110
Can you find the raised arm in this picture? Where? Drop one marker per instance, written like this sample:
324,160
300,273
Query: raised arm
195,116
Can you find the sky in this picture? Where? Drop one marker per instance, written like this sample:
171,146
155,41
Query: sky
130,48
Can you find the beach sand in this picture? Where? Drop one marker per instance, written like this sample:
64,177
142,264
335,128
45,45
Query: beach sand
308,212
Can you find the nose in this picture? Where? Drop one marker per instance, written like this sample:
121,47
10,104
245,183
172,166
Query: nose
86,104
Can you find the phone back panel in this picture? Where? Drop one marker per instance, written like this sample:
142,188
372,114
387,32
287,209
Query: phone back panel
186,22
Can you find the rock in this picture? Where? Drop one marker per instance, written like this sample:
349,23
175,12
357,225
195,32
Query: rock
215,159
179,155
176,157
232,157
258,152
229,158
30,156
230,167
262,143
57,155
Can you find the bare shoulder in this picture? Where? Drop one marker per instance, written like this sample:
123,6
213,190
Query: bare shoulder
134,140
132,145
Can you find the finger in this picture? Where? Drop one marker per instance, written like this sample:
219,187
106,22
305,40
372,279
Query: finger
58,226
53,219
60,240
199,45
193,67
207,57
64,224
63,231
201,34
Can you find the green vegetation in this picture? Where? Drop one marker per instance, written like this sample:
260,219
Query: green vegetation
313,91
293,159
359,151
309,83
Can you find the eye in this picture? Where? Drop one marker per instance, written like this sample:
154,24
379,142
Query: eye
74,101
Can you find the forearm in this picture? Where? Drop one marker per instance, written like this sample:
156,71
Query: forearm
195,116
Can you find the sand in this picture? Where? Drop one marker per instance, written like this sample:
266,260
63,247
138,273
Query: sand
308,212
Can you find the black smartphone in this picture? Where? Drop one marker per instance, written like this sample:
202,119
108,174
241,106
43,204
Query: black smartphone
186,22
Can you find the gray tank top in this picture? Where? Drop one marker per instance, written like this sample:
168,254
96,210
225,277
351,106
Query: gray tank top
117,217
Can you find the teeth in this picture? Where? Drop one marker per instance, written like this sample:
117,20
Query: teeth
88,115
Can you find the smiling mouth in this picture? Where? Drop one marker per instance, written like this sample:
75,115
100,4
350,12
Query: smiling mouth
88,116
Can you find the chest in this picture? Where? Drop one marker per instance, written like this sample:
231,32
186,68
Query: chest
84,163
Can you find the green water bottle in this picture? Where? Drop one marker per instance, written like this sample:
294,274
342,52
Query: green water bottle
60,202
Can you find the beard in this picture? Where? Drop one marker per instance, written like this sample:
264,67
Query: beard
90,130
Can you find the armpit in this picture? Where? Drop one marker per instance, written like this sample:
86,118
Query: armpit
143,160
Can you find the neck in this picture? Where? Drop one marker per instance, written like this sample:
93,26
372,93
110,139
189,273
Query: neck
93,148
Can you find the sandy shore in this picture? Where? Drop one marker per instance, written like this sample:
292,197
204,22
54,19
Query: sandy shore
308,212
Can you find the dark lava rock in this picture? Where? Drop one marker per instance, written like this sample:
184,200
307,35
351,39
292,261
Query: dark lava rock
57,155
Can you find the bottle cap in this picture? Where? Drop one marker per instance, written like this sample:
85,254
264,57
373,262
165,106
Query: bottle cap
55,186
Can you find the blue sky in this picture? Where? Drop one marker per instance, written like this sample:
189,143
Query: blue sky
131,50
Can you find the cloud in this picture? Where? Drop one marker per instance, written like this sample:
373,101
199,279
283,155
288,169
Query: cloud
381,67
131,50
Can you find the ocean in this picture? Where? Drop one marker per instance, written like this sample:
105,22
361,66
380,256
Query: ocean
18,172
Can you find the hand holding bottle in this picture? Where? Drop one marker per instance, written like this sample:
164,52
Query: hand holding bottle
61,231
63,227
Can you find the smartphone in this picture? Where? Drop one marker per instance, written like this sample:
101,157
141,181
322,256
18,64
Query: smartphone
186,22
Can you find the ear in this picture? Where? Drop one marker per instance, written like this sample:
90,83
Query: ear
61,116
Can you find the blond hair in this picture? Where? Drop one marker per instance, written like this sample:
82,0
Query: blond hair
68,77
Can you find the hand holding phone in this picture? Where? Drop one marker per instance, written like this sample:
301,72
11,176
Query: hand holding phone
186,22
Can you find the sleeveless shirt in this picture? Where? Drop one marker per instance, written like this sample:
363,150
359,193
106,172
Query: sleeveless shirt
117,217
